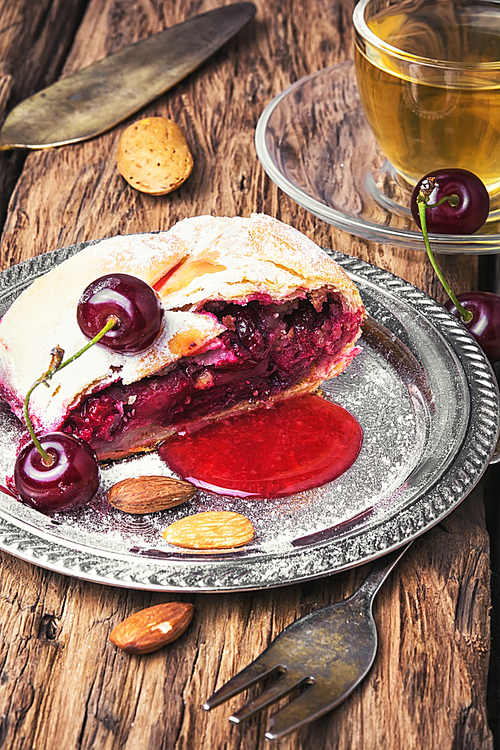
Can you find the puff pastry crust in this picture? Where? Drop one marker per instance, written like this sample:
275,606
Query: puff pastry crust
204,269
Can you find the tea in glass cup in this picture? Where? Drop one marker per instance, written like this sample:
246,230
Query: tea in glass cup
428,74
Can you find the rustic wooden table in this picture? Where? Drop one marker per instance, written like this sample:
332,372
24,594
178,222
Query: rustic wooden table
62,683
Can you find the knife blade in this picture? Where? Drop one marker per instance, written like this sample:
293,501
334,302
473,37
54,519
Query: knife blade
100,96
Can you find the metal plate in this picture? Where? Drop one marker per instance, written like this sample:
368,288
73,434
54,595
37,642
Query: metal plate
427,401
314,142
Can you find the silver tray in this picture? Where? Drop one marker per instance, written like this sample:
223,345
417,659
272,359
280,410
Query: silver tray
427,401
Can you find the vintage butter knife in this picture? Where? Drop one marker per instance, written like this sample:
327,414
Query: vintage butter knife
97,98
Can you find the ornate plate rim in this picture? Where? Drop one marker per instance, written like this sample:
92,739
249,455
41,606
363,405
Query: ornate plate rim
217,573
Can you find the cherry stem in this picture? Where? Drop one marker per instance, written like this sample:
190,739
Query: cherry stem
422,201
453,200
111,323
57,364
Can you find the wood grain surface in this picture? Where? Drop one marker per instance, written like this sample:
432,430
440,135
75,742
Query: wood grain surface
62,683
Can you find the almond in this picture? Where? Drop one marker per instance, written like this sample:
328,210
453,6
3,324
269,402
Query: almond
151,628
153,156
149,494
212,530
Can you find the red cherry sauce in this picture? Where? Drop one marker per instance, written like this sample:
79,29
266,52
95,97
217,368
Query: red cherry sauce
297,444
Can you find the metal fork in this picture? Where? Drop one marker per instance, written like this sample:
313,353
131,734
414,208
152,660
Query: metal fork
323,655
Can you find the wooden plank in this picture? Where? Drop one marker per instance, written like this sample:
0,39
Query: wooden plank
35,39
63,683
34,42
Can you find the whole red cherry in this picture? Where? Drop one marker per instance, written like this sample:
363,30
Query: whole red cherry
471,210
68,483
134,304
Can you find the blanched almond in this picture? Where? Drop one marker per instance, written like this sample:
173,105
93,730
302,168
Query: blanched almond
212,530
149,494
152,628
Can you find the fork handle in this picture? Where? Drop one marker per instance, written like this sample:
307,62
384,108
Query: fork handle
379,572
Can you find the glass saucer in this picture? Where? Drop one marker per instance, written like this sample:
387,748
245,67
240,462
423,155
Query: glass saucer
315,144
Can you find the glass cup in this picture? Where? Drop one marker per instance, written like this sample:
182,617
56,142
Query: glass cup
428,74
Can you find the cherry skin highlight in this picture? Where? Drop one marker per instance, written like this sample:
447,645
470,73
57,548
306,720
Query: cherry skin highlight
133,302
465,218
485,323
70,482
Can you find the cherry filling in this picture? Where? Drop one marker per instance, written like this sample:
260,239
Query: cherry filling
265,350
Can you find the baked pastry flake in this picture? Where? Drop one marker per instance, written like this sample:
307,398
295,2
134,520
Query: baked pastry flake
254,312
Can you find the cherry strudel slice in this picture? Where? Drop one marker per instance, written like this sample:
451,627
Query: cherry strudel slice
254,312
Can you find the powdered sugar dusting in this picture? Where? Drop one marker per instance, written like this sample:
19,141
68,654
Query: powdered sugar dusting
420,387
386,459
214,258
